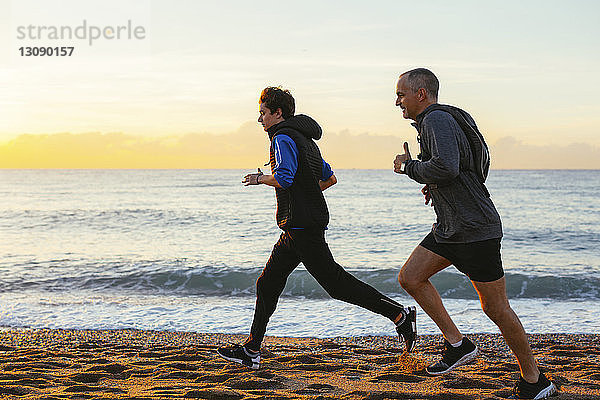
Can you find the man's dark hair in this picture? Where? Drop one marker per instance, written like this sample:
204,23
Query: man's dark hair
422,78
276,97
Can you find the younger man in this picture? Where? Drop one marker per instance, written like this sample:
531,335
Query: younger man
299,175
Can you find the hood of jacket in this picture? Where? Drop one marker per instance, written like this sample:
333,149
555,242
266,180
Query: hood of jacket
300,123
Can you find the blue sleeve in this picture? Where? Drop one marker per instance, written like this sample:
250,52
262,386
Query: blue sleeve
327,172
286,160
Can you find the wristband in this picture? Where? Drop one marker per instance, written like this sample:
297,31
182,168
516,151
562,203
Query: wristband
403,167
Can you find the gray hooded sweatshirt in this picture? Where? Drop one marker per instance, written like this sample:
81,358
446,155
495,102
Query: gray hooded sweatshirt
465,212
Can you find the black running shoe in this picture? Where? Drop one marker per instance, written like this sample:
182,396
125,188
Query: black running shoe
407,328
540,390
453,357
241,355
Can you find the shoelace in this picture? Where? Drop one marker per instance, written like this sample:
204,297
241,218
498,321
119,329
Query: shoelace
447,354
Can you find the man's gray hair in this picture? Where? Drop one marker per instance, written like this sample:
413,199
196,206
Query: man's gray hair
422,78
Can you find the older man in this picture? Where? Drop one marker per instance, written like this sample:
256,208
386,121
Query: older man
453,165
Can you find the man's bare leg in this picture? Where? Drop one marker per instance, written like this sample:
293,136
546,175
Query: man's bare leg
414,278
495,305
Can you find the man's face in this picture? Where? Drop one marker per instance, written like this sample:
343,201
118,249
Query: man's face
267,119
407,100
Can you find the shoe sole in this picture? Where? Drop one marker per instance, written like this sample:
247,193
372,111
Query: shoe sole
461,361
255,365
411,309
414,326
547,392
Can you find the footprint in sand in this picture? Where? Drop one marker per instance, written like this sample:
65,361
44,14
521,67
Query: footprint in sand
330,345
468,383
218,365
88,377
337,354
14,390
213,394
180,375
150,354
264,374
218,378
186,357
370,352
568,353
81,389
114,368
594,377
559,361
325,367
256,383
182,366
384,360
404,378
321,387
37,383
302,358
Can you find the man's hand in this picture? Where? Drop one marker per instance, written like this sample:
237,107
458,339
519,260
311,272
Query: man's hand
252,179
427,193
400,158
328,183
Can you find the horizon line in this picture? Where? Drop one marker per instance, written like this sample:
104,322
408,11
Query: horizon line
237,169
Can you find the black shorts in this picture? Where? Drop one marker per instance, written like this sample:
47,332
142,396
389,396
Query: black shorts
480,261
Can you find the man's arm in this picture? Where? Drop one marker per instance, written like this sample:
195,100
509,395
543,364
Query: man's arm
269,180
286,164
327,177
332,180
442,131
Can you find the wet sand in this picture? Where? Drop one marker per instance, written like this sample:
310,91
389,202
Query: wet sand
129,364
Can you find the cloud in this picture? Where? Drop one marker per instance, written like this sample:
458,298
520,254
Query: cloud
118,150
510,153
369,151
248,148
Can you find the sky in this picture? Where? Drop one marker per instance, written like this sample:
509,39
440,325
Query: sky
186,94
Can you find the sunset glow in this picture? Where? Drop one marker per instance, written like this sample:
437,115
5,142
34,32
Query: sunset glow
525,71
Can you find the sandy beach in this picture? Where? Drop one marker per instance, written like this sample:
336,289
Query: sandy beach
130,364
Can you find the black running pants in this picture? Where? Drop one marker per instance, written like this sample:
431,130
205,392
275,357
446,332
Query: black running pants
309,247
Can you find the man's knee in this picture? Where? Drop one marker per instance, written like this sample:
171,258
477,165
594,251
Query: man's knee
407,280
266,285
420,266
260,284
496,310
335,293
338,288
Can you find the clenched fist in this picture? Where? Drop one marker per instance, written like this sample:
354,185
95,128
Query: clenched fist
400,158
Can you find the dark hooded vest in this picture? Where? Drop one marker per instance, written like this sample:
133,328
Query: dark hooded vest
302,205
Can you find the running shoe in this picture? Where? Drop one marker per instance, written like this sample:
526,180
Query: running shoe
453,357
540,390
407,328
241,355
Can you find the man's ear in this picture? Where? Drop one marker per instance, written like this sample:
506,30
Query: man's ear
278,113
422,94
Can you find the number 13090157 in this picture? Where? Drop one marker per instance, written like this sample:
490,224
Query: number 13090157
46,51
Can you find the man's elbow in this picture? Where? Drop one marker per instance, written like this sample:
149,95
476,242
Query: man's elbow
439,175
449,174
453,173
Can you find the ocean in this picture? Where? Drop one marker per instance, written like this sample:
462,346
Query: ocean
180,250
